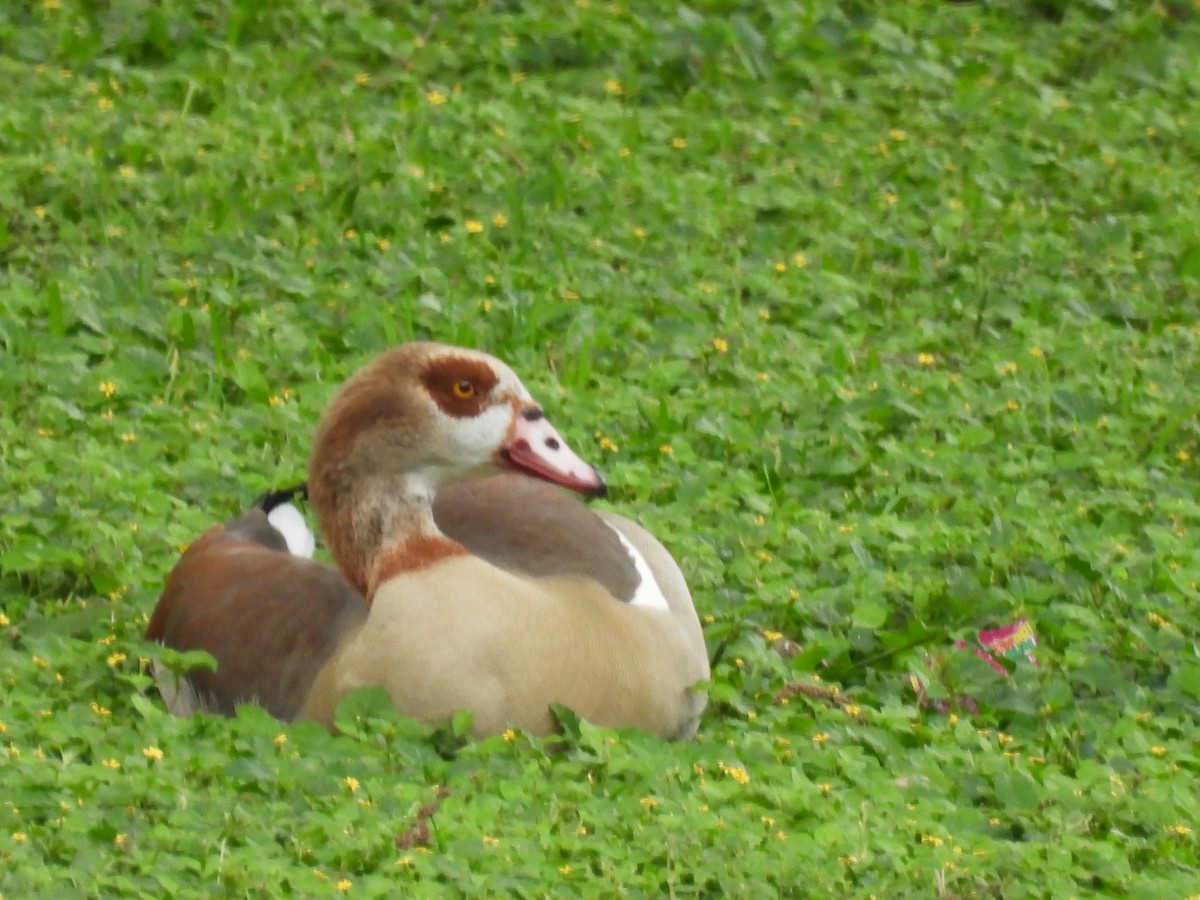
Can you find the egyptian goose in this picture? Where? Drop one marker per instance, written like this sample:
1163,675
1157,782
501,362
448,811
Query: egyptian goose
462,588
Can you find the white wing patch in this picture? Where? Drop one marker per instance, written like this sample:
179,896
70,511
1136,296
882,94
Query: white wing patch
286,519
648,593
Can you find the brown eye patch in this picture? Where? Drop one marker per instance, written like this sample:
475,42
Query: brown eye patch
458,385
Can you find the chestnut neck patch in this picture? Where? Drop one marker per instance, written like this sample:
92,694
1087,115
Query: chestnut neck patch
412,556
460,386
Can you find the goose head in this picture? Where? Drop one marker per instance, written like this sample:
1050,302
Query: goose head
418,417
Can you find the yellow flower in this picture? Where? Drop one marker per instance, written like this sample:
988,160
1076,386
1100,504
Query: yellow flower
404,862
509,735
799,260
499,220
129,437
111,764
99,710
491,841
19,837
897,135
720,345
104,104
1013,405
121,840
1009,368
607,444
1183,456
362,78
565,870
820,739
1158,751
737,773
623,153
152,753
344,885
435,97
126,171
107,388
1036,352
614,87
648,802
780,266
383,243
473,226
678,143
4,623
890,197
666,449
926,359
115,660
352,783
639,232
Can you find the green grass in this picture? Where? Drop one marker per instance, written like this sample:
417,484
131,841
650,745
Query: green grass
884,317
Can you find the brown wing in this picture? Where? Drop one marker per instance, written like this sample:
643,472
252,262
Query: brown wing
270,619
529,527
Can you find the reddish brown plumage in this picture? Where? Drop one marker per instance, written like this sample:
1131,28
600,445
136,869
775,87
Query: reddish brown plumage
345,443
411,556
443,375
270,619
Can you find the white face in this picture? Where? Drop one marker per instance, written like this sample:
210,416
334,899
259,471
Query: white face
485,419
470,443
473,403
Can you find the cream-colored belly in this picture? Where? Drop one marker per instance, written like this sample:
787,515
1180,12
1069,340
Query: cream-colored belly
465,635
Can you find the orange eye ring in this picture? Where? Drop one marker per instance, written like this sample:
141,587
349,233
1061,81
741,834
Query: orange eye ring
463,390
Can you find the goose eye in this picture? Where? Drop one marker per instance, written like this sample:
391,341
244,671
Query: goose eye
464,390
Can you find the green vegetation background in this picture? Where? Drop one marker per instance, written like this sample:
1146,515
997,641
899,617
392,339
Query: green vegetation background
884,317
